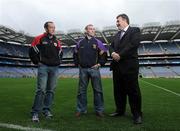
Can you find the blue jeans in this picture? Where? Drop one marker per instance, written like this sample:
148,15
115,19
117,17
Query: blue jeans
46,83
84,75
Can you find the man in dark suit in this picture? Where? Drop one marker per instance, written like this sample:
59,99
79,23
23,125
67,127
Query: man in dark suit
125,67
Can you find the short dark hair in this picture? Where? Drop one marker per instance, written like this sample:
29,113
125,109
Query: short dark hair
124,16
46,24
88,26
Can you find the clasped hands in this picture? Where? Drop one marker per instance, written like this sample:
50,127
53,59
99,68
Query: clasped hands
115,56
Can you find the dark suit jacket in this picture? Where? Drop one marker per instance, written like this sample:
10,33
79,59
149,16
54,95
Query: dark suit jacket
127,49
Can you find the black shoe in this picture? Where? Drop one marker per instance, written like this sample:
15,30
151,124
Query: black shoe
115,114
138,120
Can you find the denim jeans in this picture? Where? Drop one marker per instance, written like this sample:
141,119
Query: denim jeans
84,75
46,83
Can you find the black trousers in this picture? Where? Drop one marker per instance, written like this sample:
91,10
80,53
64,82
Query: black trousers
126,85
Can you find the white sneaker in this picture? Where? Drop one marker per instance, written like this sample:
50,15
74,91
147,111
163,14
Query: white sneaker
48,114
35,118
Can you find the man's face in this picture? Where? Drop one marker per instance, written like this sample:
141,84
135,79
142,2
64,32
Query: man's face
121,23
90,31
51,28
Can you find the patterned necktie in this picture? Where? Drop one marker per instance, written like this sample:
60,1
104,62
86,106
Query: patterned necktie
121,33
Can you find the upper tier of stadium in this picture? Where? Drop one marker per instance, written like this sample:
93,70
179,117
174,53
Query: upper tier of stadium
150,32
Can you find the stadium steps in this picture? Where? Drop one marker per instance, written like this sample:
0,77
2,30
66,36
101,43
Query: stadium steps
153,72
176,74
161,47
177,45
143,48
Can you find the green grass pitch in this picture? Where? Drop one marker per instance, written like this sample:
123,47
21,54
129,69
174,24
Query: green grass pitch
161,109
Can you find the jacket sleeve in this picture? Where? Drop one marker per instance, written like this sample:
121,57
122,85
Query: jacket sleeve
75,55
37,40
102,53
34,53
102,59
111,48
60,51
133,43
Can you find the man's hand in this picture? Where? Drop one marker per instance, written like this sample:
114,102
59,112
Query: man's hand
96,66
115,56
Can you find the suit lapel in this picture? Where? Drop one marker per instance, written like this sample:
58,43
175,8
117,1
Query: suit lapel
128,30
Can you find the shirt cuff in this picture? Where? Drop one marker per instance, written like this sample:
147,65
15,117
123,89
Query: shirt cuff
113,53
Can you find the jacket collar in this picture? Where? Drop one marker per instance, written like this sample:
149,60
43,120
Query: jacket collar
50,36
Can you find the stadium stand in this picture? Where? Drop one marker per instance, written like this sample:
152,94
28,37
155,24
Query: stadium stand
159,51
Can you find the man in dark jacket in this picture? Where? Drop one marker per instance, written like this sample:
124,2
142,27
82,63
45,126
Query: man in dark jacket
125,67
46,52
89,55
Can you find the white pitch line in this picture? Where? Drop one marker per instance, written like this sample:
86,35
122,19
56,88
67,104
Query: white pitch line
22,128
161,88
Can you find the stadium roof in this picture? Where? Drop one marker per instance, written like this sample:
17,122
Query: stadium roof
150,32
155,31
8,34
170,31
75,34
64,38
109,32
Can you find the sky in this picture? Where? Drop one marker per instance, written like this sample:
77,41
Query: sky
30,15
